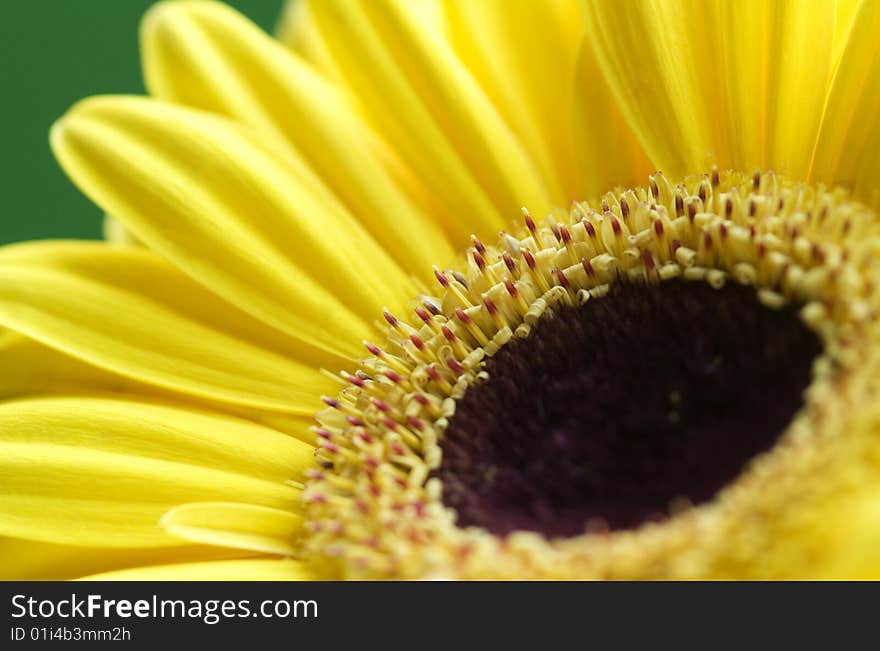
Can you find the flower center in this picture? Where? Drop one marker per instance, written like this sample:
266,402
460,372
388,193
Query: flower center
611,412
652,349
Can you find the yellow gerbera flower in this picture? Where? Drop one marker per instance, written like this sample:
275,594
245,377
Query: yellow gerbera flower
676,379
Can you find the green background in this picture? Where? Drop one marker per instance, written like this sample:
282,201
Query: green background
52,53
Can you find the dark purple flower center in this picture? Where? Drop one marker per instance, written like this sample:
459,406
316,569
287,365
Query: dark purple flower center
610,411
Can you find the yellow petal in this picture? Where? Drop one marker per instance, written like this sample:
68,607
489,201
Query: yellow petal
607,153
154,430
116,233
29,560
237,525
738,84
523,55
207,56
102,472
232,570
846,14
650,71
421,97
798,83
29,368
848,150
245,218
297,30
126,310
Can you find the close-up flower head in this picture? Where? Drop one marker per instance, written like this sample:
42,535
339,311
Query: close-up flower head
459,289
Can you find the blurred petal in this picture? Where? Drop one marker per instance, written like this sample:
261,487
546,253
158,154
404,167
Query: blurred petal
299,32
116,233
738,84
523,55
607,153
848,151
29,369
207,56
846,15
234,570
102,472
128,311
424,100
29,560
231,524
249,221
